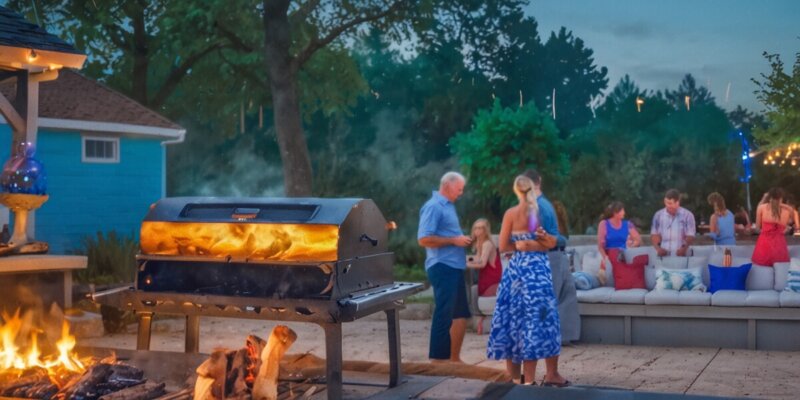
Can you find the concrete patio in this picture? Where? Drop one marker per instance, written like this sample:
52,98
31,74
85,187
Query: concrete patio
693,371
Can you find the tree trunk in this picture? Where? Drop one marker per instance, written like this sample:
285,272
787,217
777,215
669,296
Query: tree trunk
141,59
297,172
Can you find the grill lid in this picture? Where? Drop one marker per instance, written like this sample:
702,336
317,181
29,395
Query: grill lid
264,229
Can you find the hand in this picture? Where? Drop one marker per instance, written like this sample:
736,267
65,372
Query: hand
462,241
521,245
682,251
661,251
540,232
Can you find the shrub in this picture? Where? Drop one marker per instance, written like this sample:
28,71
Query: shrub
112,258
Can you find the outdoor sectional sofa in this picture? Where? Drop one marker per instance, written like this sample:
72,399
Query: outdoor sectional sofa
762,317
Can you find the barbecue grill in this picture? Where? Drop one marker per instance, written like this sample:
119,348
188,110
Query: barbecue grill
324,261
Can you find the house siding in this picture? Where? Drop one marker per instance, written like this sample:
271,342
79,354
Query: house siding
86,198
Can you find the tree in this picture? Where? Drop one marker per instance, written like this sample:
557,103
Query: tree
779,91
504,142
697,95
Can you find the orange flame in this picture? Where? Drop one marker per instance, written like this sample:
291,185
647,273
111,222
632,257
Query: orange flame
15,358
259,242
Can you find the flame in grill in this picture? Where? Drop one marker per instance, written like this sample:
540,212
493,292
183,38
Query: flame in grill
17,355
257,242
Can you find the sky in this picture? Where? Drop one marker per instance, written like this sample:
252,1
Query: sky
657,42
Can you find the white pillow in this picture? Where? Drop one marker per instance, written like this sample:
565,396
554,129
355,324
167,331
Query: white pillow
679,279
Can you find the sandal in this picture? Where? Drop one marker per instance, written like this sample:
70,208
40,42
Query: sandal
557,384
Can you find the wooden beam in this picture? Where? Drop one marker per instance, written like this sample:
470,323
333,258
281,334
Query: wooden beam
11,115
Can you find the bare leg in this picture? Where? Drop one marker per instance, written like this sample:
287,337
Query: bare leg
513,370
551,374
457,330
529,371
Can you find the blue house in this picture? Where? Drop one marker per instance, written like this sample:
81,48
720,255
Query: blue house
104,155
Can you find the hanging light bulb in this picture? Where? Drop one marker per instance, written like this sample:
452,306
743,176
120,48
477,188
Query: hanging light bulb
639,102
32,55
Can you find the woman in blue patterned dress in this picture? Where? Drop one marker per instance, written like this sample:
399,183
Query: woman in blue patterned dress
525,324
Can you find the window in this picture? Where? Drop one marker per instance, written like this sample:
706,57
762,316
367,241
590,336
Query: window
100,150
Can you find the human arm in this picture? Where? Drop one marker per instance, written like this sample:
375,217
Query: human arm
688,234
601,238
504,239
713,227
759,210
439,241
655,236
487,250
634,239
544,241
427,236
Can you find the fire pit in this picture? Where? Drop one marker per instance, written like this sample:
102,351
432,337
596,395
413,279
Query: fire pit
324,261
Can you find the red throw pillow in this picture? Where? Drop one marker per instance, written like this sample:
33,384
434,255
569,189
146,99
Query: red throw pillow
628,275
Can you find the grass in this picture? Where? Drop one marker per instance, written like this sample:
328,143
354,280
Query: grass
410,273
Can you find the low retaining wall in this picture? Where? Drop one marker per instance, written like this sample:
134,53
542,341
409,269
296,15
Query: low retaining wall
755,328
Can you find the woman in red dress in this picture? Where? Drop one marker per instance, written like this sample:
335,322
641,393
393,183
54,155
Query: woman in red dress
772,217
486,258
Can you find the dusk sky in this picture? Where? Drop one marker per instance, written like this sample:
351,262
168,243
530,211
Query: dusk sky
658,42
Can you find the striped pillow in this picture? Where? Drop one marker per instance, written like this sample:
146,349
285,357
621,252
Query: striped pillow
679,279
793,281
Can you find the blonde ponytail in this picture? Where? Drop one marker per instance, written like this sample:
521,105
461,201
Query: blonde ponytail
524,189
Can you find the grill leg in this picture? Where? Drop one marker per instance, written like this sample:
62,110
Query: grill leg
393,322
143,336
333,359
192,344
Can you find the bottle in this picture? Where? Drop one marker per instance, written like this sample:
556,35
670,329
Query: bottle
727,259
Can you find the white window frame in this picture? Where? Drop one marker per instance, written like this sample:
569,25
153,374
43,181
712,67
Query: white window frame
86,159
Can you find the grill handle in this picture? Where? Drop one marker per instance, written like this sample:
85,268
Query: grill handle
366,238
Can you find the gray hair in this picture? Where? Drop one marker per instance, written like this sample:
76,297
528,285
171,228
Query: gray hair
451,177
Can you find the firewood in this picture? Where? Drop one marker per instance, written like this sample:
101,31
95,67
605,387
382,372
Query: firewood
202,388
265,386
214,368
144,391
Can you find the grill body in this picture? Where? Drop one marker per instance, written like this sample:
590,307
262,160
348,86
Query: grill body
324,261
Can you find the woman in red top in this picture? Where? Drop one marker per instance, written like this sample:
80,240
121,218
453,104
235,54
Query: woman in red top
486,258
772,217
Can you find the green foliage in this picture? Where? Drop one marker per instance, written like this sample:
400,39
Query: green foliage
111,258
503,143
410,273
780,93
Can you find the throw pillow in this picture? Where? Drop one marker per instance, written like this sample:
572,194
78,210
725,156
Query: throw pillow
728,278
679,279
585,281
793,282
628,275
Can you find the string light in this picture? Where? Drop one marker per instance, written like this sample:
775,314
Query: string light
687,100
32,55
639,102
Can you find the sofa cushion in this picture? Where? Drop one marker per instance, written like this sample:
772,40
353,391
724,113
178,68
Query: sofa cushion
760,278
717,259
666,296
762,298
628,296
781,274
794,251
486,304
728,278
790,299
671,262
729,298
679,279
745,251
637,251
650,277
694,298
628,275
598,295
704,251
793,281
591,264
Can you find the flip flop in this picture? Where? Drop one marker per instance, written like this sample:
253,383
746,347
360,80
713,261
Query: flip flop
557,384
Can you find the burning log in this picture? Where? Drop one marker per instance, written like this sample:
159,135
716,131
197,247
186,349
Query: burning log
145,391
101,379
265,386
235,374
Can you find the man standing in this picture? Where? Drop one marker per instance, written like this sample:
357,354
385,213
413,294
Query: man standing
440,233
673,227
563,283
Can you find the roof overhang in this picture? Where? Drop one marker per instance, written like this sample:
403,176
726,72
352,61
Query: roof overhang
34,60
169,134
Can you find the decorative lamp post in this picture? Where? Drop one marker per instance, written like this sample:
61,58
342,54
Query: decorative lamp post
24,186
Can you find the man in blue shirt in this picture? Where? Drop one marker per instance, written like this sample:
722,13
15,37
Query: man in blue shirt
444,242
